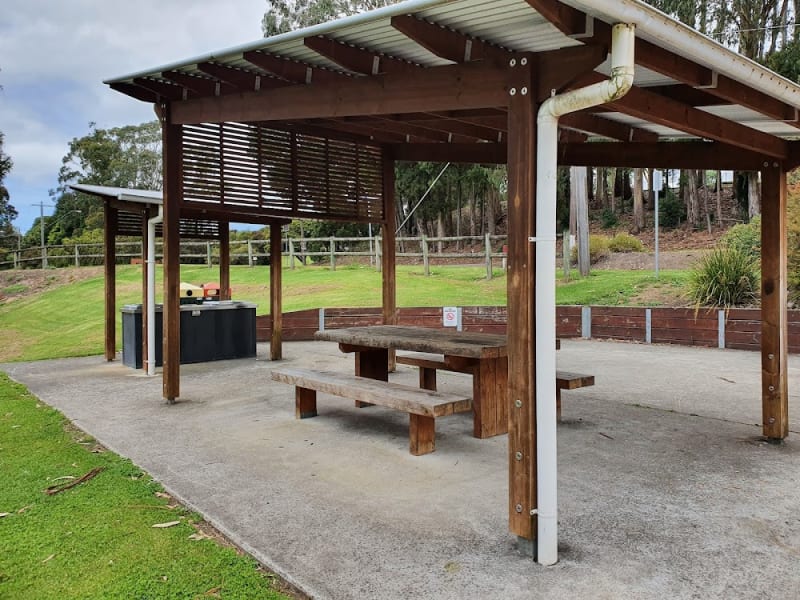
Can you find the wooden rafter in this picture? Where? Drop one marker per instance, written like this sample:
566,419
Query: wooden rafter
607,128
201,85
410,129
358,60
135,91
447,43
245,81
373,132
292,70
651,107
170,91
444,123
573,22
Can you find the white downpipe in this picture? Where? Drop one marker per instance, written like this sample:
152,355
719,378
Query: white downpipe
622,43
669,33
151,290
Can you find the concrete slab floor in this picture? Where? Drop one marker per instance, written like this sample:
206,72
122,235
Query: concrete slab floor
665,489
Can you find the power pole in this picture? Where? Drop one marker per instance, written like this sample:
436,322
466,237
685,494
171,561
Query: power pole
41,206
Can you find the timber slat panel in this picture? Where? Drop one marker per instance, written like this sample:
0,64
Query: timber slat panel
281,173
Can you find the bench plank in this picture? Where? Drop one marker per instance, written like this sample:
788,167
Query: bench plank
422,405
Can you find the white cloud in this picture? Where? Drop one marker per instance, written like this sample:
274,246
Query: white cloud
55,55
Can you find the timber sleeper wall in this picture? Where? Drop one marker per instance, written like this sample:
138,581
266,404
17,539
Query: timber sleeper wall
738,328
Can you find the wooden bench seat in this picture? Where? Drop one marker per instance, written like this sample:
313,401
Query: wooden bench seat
422,405
429,363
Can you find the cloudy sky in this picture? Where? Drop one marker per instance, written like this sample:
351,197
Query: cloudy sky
55,55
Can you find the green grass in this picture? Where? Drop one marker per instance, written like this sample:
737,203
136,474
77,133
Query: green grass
97,539
68,320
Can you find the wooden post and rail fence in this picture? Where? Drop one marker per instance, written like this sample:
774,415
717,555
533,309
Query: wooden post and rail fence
486,250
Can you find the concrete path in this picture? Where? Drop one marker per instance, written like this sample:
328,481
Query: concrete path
665,489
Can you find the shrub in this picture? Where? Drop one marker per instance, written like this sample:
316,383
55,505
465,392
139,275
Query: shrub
671,211
624,242
725,277
608,219
598,248
744,237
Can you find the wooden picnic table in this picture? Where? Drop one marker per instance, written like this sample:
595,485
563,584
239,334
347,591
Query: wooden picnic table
482,354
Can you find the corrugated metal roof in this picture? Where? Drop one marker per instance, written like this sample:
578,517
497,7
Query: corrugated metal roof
515,25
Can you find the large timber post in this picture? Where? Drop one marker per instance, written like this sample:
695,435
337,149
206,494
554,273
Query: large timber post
275,297
521,321
388,238
774,343
173,188
110,269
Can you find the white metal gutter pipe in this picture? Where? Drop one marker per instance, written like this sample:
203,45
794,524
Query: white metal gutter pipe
679,37
621,80
151,290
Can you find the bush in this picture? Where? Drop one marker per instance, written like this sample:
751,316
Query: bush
671,211
744,237
608,219
598,248
725,277
624,242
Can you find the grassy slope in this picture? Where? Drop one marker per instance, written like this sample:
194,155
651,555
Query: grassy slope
68,320
96,540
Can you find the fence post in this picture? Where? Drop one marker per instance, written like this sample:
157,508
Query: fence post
333,254
566,253
290,243
427,265
378,247
250,253
77,257
208,254
488,257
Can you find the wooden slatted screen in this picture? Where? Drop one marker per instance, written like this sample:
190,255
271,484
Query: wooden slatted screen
130,224
252,169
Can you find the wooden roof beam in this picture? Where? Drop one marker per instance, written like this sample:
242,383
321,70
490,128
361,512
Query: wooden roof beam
451,87
291,70
447,43
446,123
376,133
673,155
572,22
607,128
411,129
358,60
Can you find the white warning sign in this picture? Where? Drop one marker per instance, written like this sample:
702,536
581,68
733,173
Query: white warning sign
450,316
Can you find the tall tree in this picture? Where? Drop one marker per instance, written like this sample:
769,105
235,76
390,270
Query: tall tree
126,157
7,212
287,15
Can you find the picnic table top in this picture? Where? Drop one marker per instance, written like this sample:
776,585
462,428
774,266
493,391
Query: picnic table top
420,339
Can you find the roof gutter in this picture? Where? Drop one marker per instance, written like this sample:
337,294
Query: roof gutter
622,45
667,32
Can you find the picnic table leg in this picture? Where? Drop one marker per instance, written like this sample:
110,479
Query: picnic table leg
373,364
305,403
427,378
489,397
421,434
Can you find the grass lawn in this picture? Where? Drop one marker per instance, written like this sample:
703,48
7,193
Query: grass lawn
97,540
68,320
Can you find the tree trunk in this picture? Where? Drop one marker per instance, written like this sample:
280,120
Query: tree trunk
491,193
638,201
719,199
753,194
612,189
577,184
690,196
590,180
440,232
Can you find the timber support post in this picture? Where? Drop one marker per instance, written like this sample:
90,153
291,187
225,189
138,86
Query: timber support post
110,269
521,291
388,248
224,261
275,298
172,149
774,342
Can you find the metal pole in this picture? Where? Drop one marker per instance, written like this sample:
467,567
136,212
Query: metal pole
657,185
